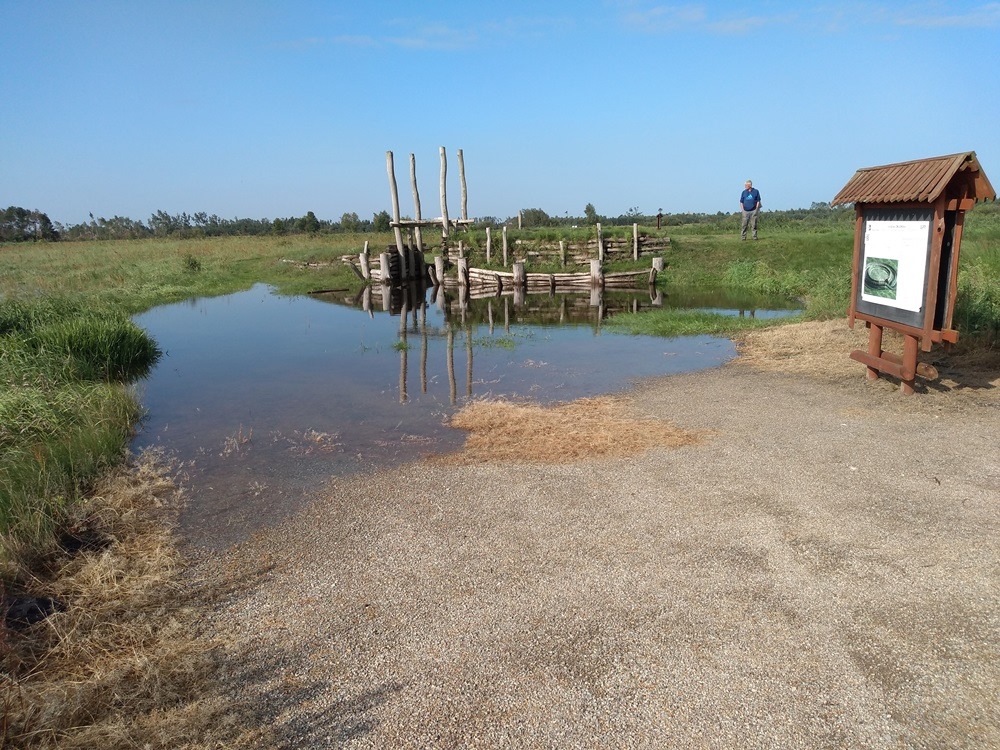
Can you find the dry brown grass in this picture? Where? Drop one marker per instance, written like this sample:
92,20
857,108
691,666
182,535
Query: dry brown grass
822,349
586,428
125,664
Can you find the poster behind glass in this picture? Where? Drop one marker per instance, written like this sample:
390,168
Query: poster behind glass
895,250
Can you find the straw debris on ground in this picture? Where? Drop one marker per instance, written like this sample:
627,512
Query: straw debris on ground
126,663
561,433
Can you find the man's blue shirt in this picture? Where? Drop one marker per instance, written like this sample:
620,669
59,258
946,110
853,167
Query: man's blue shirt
749,199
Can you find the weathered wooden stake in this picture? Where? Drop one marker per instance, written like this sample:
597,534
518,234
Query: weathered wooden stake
463,272
562,251
600,243
416,202
635,242
444,195
520,279
505,246
395,201
596,273
366,270
439,269
461,178
489,245
658,263
386,274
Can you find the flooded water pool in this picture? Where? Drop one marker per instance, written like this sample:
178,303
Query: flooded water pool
261,398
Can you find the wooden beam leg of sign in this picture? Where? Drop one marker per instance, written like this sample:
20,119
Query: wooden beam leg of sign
874,348
910,346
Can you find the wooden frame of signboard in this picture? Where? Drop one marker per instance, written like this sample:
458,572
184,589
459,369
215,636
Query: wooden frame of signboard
909,219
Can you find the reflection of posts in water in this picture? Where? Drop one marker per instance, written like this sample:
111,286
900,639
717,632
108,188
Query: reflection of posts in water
402,374
655,297
519,293
489,314
468,362
597,300
366,301
753,313
404,314
562,310
506,314
450,354
423,361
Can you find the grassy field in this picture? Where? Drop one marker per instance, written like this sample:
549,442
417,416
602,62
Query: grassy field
70,349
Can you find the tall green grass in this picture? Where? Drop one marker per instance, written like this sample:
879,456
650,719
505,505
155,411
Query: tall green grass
65,412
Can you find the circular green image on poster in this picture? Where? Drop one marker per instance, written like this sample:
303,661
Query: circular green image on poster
880,277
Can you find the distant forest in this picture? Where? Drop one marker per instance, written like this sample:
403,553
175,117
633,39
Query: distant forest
23,225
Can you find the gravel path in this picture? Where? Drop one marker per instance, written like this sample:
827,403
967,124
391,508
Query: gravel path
822,572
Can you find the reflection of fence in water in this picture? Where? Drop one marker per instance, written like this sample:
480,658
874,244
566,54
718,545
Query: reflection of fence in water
462,312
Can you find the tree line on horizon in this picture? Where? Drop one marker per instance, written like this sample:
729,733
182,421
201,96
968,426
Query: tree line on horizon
22,225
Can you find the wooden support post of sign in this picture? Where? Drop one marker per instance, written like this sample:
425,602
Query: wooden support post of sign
416,203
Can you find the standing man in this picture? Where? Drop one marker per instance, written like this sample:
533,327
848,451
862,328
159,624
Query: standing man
750,205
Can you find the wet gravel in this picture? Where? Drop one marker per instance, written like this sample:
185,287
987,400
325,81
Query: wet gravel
823,572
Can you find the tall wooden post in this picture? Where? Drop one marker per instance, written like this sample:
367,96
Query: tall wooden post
489,245
635,242
416,203
395,201
465,193
505,246
444,195
600,243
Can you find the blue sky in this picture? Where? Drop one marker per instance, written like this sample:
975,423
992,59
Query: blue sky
267,109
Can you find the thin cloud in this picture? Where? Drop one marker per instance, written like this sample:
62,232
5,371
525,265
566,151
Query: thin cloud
355,40
435,37
984,16
668,18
